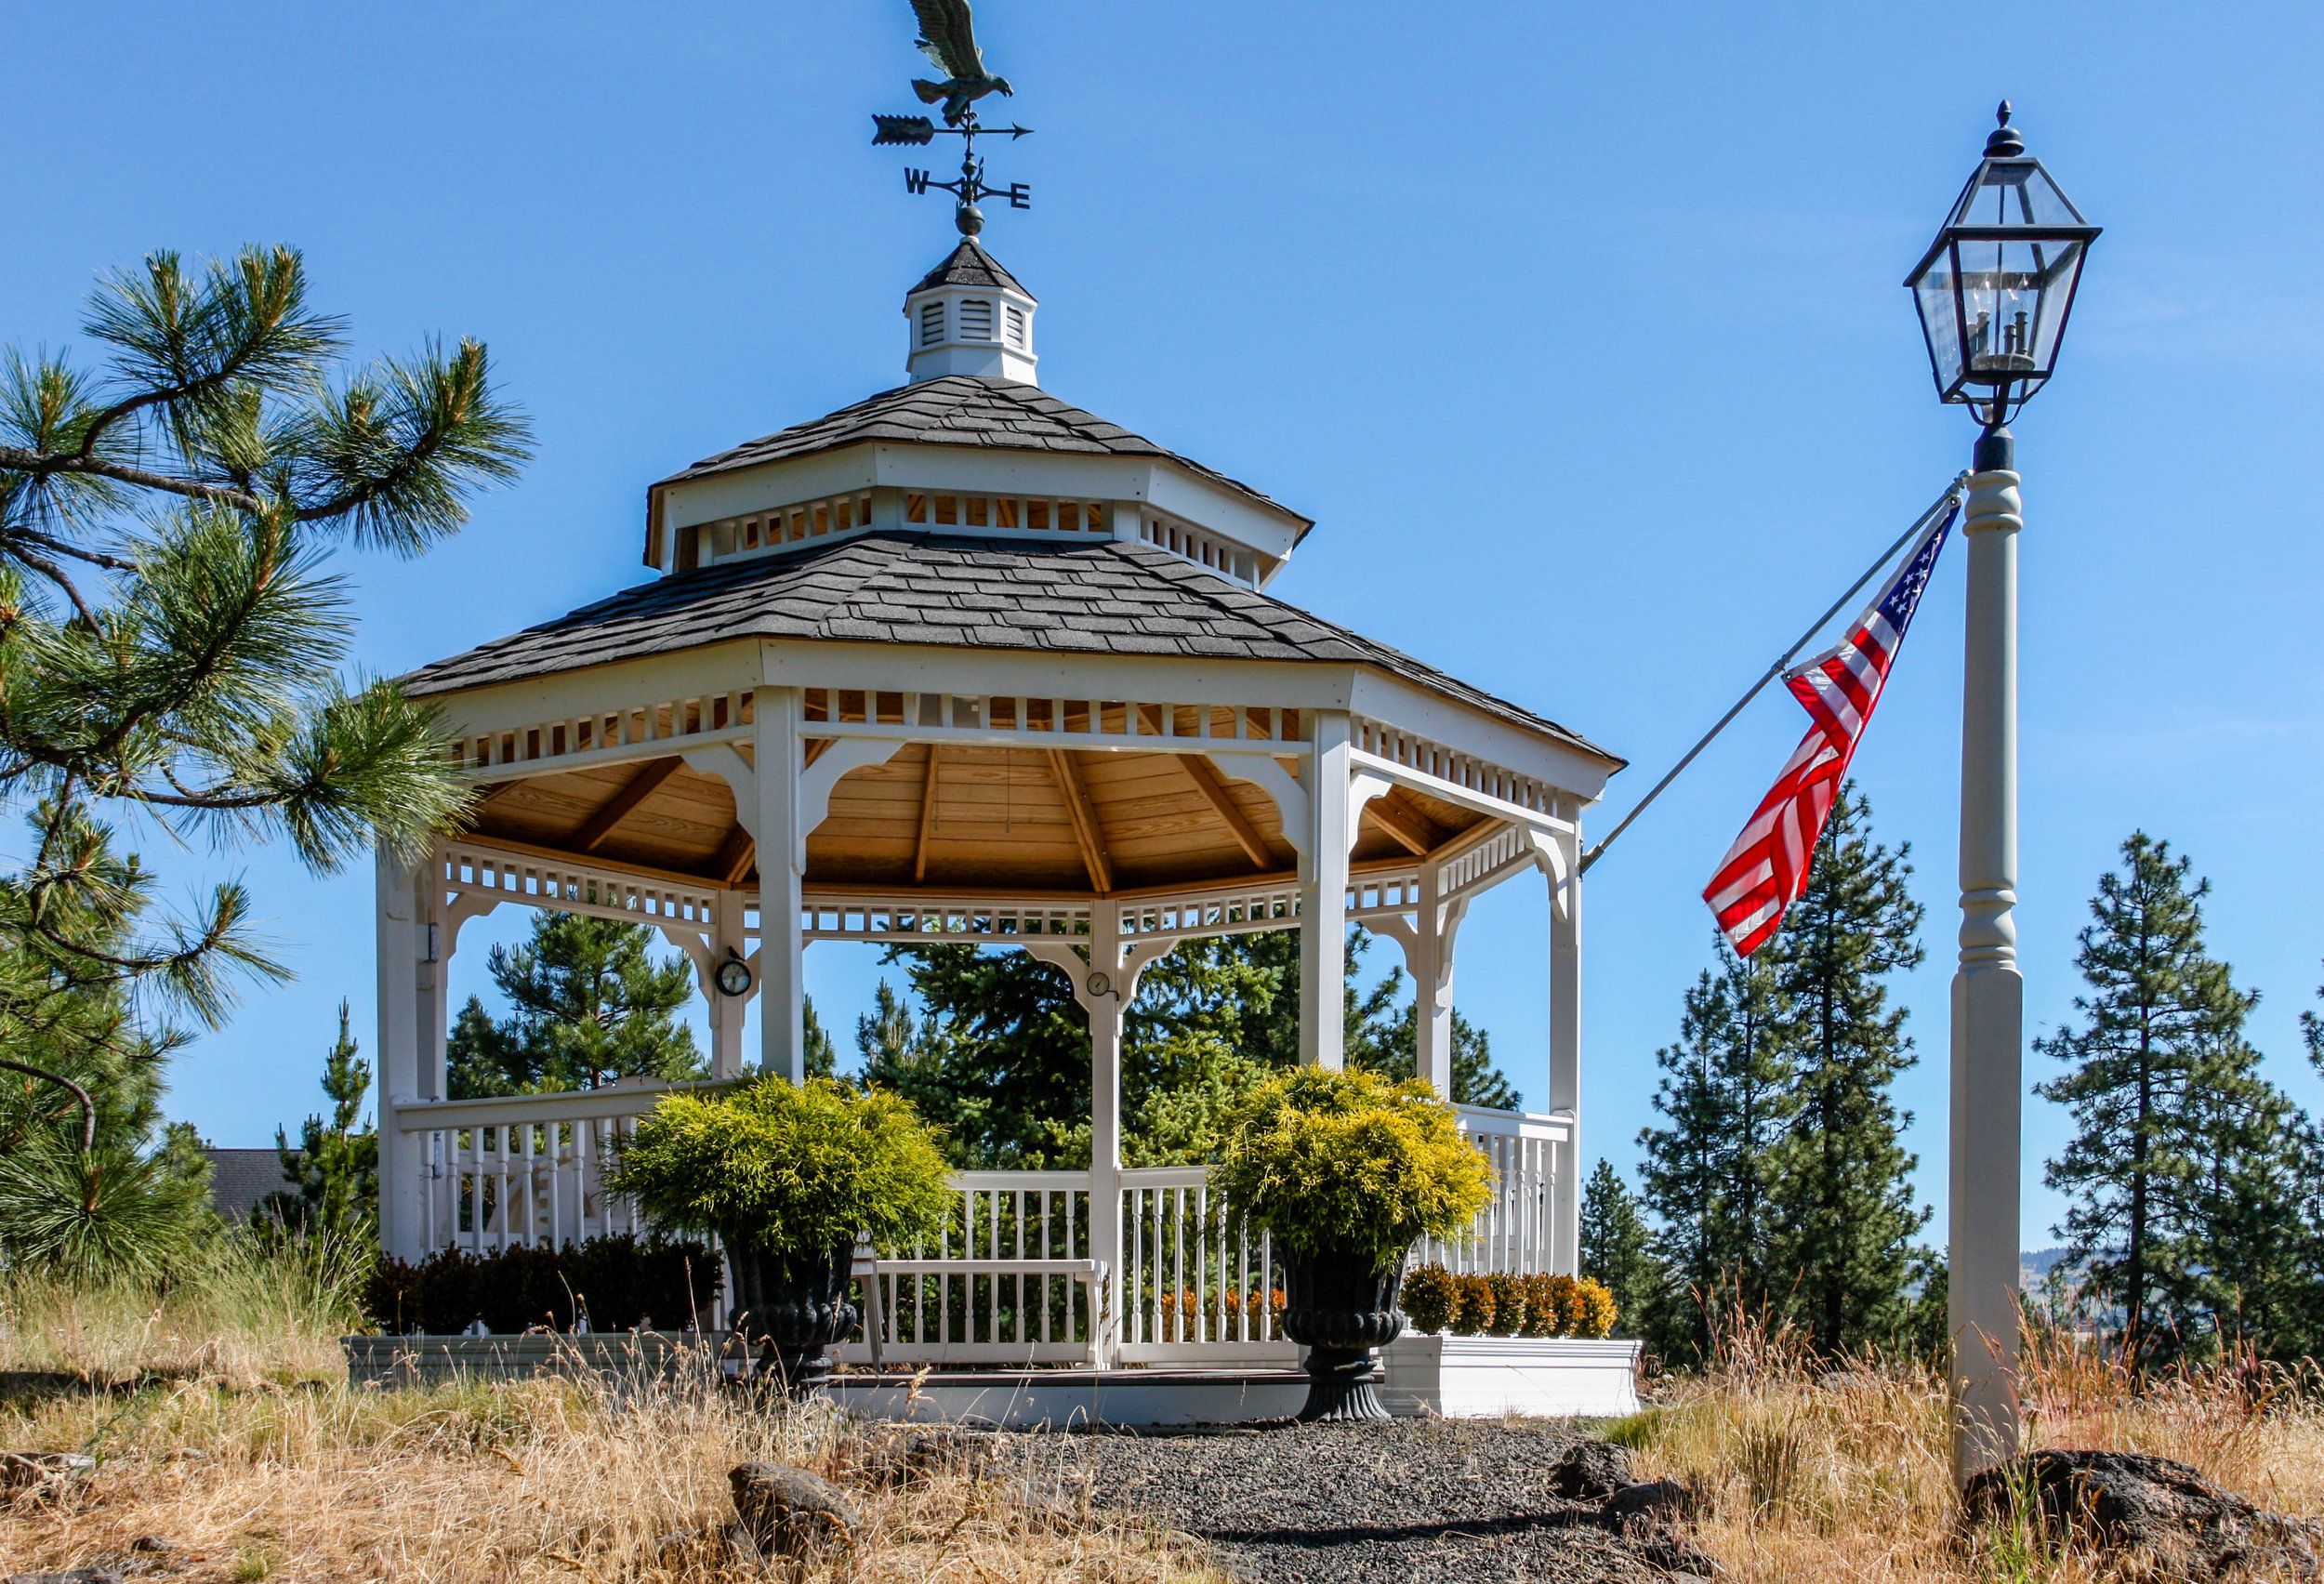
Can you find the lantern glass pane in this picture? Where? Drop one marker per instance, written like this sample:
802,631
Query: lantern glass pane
1933,294
2013,192
2014,297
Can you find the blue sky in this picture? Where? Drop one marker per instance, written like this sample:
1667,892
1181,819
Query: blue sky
1578,330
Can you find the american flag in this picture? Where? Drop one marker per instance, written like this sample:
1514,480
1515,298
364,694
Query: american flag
1763,872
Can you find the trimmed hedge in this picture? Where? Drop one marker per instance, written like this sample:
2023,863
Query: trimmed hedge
1504,1305
624,1281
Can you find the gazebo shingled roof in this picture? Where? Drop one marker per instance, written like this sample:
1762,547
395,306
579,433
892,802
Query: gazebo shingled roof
961,409
1109,597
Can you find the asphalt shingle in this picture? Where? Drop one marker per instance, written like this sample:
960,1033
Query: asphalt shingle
961,409
1107,596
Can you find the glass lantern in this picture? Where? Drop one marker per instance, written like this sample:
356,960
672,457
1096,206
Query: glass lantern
1995,287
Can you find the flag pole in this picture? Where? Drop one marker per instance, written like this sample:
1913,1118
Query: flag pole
1919,525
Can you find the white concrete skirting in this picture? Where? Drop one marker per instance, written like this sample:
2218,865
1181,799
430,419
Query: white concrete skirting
1451,1377
1486,1376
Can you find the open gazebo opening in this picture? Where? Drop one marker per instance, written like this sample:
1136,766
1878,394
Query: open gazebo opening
959,663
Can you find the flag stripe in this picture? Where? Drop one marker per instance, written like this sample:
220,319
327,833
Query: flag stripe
1765,871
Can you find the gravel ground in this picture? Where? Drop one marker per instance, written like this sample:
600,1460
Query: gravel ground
1413,1502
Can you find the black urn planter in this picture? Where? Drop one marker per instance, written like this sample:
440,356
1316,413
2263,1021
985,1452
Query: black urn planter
794,1306
1340,1306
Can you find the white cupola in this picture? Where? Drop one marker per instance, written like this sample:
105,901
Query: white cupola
970,316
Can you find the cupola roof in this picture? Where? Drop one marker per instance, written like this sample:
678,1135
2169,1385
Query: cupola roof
961,409
969,265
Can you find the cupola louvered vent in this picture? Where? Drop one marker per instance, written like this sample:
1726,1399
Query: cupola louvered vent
1016,324
976,320
931,322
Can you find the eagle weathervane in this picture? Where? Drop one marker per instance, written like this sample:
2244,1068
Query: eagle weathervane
948,37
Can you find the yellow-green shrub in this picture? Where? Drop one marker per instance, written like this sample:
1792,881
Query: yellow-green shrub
1428,1298
1509,1303
787,1169
1593,1314
1348,1160
1472,1306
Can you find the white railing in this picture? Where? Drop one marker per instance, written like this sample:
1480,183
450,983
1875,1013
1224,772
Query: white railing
1197,1284
1011,1277
523,1170
1512,1233
1008,1280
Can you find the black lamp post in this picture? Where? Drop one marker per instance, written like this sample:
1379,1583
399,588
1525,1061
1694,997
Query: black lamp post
1995,287
1993,291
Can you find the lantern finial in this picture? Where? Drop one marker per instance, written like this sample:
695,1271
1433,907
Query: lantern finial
2003,142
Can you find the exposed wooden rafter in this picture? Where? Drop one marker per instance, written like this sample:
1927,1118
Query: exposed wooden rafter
814,748
1415,831
1085,818
1212,786
617,808
927,816
736,855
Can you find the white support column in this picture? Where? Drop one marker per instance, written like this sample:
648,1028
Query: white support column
402,1187
1103,1001
727,1011
782,942
1434,924
1103,987
1565,1063
1324,897
435,931
1988,999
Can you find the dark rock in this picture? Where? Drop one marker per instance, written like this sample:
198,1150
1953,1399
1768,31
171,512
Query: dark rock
1590,1471
70,1575
28,1470
1656,1503
789,1511
919,1456
1673,1554
2127,1501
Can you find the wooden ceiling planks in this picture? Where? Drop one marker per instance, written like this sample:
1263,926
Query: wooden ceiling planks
983,817
615,809
1084,819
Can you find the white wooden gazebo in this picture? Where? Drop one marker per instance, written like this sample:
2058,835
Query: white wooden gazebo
962,662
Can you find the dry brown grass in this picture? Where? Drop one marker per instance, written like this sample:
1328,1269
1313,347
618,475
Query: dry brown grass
226,1427
1846,1475
541,1480
221,1411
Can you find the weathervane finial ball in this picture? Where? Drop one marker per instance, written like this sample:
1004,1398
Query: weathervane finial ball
969,218
2000,116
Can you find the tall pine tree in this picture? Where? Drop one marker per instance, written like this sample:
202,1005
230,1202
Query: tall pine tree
1617,1248
588,1004
1842,1217
1709,1171
2176,1169
334,1173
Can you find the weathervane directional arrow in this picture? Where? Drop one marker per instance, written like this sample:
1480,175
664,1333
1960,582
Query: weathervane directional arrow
948,38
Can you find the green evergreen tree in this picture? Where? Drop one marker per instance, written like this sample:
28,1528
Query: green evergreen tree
822,1056
2179,1167
1710,1173
999,1056
91,1181
171,647
1617,1248
588,1004
333,1172
1842,1218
